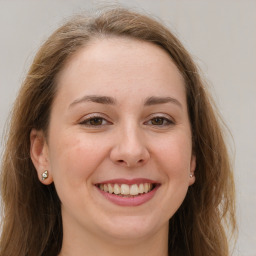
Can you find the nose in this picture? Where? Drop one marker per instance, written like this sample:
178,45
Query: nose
130,149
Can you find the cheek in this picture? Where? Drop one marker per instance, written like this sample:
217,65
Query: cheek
174,154
74,159
174,157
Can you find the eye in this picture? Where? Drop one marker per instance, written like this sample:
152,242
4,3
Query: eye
160,121
94,121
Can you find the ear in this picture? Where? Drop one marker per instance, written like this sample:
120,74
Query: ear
192,177
40,155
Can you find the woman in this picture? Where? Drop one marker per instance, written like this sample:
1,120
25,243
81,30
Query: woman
114,147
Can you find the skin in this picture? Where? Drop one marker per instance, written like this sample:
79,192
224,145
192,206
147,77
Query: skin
127,142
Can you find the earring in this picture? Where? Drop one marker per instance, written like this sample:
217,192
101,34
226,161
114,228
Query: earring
44,175
191,175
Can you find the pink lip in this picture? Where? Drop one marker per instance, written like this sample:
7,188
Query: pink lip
128,181
129,201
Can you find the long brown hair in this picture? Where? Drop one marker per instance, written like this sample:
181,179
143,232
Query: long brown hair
31,221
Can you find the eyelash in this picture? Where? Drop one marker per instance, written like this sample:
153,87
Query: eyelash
95,118
165,121
87,121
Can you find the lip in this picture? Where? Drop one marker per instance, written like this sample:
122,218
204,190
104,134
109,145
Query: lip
129,201
128,181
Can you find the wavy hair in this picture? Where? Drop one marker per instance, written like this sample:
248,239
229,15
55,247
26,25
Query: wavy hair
31,221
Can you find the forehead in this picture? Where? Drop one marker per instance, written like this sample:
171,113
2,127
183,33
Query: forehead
112,64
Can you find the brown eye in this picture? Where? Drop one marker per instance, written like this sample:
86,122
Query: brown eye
96,121
160,121
157,121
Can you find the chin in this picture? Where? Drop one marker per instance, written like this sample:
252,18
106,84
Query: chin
126,229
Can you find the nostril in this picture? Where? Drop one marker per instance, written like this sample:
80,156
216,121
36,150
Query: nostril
141,161
130,163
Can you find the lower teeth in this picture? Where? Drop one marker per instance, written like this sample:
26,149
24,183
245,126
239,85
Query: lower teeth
130,195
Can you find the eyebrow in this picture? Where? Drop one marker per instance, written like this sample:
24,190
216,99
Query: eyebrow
111,101
95,98
161,100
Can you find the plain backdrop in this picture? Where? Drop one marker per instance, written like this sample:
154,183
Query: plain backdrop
220,35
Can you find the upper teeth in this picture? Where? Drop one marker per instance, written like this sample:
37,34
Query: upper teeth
125,189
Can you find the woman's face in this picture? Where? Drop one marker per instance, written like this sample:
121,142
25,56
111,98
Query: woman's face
119,123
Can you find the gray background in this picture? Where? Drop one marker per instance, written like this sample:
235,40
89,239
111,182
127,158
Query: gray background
221,36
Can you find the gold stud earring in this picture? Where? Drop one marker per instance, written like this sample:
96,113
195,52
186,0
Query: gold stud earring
44,175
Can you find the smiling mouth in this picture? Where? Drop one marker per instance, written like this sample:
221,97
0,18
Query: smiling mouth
125,190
